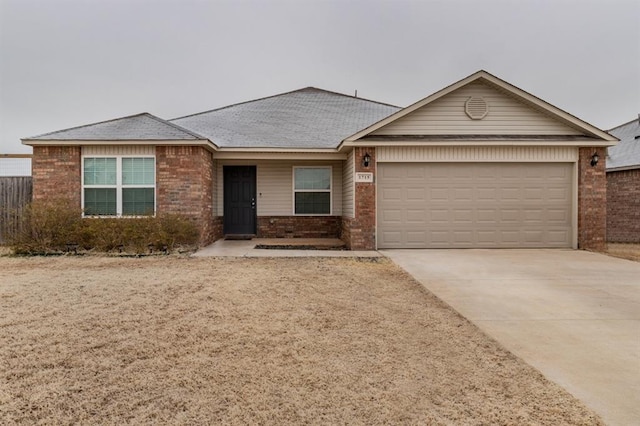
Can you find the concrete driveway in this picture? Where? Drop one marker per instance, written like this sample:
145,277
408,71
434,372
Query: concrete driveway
573,315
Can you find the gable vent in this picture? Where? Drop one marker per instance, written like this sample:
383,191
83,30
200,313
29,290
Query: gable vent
476,108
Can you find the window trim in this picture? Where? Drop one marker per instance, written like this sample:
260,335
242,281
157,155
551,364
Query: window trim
119,186
294,190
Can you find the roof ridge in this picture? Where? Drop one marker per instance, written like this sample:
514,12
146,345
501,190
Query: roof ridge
352,97
276,95
91,124
177,127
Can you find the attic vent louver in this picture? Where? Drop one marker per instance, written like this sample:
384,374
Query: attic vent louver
476,108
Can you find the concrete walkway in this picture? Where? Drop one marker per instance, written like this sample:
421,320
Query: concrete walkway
573,315
246,248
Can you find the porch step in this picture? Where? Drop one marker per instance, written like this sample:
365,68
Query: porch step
239,236
301,244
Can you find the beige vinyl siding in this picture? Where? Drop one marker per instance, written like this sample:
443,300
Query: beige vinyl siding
142,150
348,187
477,153
274,179
507,116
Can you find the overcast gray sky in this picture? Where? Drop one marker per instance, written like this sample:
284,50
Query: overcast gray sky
65,63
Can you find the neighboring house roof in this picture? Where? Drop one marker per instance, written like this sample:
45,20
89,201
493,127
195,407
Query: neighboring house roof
625,155
525,97
142,126
12,166
307,118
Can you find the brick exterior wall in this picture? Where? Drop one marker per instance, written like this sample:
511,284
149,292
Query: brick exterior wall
299,226
345,230
184,180
359,233
56,174
592,201
623,206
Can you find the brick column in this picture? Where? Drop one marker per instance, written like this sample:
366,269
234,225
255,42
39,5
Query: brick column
185,186
360,232
592,200
56,174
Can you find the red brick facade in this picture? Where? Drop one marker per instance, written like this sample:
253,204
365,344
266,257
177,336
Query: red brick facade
592,201
299,226
359,233
56,173
623,206
185,178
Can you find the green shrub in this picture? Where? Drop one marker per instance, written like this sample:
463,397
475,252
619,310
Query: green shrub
54,227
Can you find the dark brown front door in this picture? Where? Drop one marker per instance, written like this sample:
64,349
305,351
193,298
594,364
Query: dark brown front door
239,200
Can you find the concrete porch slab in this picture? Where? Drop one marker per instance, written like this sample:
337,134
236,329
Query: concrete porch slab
247,248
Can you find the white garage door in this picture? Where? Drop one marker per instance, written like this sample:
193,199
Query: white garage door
482,205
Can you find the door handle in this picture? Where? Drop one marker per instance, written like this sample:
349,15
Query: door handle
253,203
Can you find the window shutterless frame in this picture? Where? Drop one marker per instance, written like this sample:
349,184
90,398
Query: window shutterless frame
131,189
308,181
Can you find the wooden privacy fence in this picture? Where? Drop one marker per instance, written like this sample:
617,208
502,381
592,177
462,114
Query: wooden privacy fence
15,194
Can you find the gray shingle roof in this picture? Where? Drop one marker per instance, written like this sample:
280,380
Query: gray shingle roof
627,153
136,127
305,118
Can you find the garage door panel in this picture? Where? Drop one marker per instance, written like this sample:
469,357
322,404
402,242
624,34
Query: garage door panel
392,216
415,194
488,238
558,217
558,194
416,216
509,216
533,194
487,217
438,216
463,194
436,194
392,238
486,194
416,237
443,205
462,217
559,236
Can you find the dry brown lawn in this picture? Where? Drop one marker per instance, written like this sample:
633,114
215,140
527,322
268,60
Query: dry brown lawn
625,251
243,341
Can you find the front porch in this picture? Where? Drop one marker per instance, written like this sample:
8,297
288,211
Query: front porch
282,247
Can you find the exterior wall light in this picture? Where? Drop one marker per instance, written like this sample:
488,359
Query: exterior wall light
594,159
366,160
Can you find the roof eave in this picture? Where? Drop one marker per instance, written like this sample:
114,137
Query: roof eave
623,168
470,142
299,154
162,142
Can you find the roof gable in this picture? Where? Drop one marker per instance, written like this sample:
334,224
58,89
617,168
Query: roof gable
511,111
308,118
142,126
625,155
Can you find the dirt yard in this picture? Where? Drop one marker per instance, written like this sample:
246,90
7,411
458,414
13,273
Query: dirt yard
235,341
625,251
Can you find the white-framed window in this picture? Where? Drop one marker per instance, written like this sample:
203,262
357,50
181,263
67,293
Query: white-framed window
118,185
312,190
